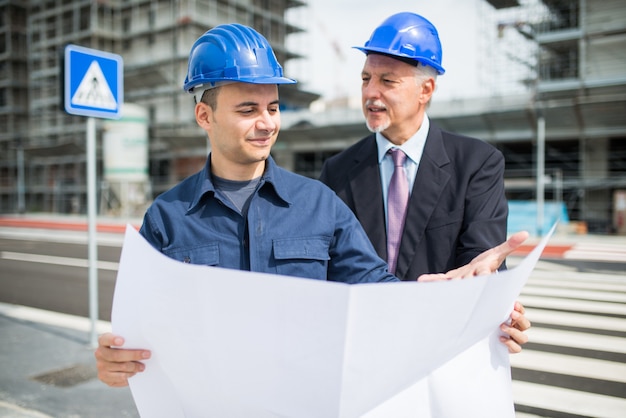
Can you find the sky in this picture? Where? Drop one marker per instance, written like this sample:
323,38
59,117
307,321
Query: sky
333,67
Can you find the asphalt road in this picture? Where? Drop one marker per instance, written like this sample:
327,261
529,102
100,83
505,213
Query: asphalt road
51,272
54,275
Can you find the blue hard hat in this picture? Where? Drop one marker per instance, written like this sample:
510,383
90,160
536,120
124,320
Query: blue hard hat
408,37
232,53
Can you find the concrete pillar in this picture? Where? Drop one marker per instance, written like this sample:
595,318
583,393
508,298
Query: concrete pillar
619,212
596,200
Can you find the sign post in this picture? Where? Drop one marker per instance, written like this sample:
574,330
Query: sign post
93,87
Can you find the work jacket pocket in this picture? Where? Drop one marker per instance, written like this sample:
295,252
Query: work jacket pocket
302,257
207,254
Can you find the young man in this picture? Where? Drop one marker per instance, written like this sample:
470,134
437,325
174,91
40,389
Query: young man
244,212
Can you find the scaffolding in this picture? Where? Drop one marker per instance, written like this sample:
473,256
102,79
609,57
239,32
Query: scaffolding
567,55
153,37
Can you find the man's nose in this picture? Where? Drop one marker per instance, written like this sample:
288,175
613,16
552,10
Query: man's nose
266,122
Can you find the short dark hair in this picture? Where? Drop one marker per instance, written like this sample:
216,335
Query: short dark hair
209,97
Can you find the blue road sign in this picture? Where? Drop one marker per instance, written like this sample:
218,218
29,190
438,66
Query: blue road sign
94,83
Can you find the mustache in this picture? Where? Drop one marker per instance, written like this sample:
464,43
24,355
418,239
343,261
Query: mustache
375,103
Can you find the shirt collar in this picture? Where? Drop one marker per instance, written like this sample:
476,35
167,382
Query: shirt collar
274,176
271,176
412,148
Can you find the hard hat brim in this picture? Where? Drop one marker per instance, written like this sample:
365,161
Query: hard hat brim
401,57
208,83
268,80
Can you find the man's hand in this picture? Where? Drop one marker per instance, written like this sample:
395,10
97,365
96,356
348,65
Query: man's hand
483,264
519,323
116,365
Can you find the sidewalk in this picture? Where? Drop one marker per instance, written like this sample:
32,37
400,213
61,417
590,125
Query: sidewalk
48,368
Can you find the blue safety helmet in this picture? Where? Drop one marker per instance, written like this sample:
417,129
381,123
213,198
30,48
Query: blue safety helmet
232,53
408,37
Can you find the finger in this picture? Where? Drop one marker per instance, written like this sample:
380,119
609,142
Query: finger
514,242
120,355
471,270
482,270
515,334
435,277
511,345
519,321
115,379
522,323
108,339
510,245
519,307
116,374
462,272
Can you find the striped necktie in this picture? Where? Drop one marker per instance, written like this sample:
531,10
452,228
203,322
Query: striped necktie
397,200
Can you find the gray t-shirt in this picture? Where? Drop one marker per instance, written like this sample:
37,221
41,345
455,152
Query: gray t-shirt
238,192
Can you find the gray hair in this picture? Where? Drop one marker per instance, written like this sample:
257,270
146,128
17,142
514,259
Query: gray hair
423,73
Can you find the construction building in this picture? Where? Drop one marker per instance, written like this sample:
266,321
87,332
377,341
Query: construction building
42,148
555,103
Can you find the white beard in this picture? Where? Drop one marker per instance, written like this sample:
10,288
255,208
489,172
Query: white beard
378,129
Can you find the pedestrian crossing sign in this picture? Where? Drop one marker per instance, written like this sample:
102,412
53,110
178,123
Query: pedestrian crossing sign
94,84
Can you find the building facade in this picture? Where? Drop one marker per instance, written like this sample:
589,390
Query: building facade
42,148
556,98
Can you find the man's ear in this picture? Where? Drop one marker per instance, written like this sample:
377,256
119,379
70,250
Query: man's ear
203,115
428,88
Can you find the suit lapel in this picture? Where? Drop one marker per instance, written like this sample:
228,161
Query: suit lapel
430,181
366,190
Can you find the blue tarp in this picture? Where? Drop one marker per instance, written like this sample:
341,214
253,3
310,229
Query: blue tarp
523,216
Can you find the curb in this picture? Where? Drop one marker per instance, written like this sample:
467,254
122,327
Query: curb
65,225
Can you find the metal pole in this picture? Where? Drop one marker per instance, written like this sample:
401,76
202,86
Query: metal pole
91,228
21,189
558,193
541,161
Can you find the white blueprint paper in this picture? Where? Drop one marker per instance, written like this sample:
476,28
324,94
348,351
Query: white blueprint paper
227,343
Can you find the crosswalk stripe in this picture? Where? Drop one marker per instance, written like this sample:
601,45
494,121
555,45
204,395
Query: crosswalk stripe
563,275
574,305
594,256
599,247
545,316
577,340
568,401
576,294
568,365
571,273
582,285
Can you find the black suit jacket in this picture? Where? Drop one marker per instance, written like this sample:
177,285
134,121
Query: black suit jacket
457,207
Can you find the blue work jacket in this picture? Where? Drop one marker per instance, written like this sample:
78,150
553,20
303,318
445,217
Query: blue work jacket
295,226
